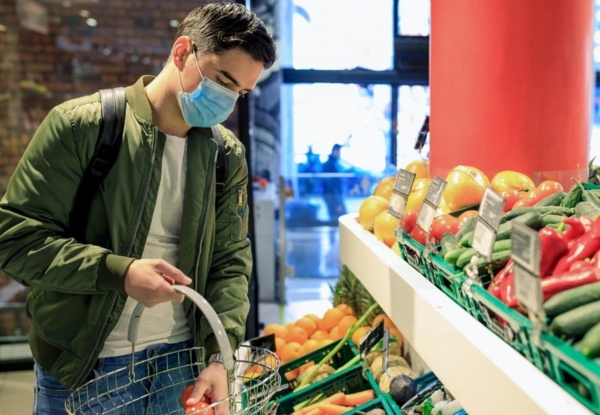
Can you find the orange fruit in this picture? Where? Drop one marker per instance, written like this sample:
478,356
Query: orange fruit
291,351
313,317
359,333
279,344
384,187
289,325
277,329
332,318
296,334
462,190
307,324
508,179
369,209
347,309
319,335
253,371
387,322
345,324
419,167
384,228
309,346
335,334
325,342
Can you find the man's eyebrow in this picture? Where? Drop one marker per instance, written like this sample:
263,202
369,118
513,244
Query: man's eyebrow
229,76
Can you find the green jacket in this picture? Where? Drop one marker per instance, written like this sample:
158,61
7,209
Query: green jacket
76,291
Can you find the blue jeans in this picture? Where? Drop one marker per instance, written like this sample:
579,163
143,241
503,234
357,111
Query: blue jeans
156,387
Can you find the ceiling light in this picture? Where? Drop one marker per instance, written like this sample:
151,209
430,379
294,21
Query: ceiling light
174,23
92,22
84,13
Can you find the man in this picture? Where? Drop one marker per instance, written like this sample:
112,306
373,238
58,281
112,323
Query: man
333,187
156,216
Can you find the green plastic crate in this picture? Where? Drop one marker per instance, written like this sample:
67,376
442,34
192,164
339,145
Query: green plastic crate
343,356
377,403
448,279
413,253
510,325
356,379
574,372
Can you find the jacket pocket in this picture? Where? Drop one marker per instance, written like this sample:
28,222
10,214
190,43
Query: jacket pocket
239,213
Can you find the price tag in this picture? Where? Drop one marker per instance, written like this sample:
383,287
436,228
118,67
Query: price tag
435,191
525,252
484,237
402,186
425,217
264,342
374,336
397,205
525,247
492,208
404,182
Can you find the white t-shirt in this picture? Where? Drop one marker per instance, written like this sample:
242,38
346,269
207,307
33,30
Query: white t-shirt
165,322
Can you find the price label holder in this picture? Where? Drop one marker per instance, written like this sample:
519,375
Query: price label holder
400,192
374,337
525,252
386,350
488,219
430,204
422,136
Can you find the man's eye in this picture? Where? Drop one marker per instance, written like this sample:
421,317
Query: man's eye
222,82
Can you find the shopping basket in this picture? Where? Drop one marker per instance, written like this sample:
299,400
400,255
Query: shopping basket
252,376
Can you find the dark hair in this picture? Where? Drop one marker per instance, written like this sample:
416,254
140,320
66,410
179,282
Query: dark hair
219,27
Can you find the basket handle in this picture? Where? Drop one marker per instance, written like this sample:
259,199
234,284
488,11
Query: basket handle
210,314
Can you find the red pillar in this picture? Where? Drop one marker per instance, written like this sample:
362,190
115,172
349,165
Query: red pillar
511,84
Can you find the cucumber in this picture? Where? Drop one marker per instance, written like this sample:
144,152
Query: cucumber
572,298
587,209
498,261
448,243
467,227
572,197
590,344
551,220
466,256
542,210
576,322
555,199
452,256
532,219
466,239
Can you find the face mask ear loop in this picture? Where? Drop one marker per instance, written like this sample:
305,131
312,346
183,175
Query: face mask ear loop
197,64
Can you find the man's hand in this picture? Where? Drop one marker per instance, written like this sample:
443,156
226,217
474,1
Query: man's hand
147,281
212,382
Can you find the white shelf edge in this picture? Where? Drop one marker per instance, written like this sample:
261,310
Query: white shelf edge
484,373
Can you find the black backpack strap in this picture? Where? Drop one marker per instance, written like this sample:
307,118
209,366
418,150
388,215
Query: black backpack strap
221,161
105,154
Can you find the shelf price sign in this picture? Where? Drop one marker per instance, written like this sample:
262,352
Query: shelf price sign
525,252
430,204
488,219
402,186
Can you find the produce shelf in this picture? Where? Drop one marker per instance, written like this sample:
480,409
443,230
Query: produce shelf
484,373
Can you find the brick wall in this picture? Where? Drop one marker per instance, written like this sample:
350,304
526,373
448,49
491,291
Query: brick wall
38,71
41,70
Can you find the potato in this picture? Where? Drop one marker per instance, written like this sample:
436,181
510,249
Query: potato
394,350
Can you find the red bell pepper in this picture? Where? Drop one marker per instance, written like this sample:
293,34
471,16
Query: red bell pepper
564,281
575,229
579,265
507,288
583,247
494,287
553,247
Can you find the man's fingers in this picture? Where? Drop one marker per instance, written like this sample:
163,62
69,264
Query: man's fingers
170,271
197,393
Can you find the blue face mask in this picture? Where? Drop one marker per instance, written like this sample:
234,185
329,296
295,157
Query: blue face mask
209,105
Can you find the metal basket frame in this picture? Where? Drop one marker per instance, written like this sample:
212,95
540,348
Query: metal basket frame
252,376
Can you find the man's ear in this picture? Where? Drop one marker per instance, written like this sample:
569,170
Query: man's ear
182,48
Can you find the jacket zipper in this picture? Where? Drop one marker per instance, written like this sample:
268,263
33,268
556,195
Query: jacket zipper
200,238
113,299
